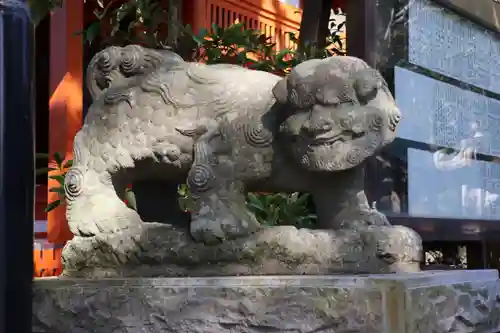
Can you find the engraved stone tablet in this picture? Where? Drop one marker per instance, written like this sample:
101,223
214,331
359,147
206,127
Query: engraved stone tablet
453,46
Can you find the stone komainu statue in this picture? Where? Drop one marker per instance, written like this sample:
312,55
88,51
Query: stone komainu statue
226,130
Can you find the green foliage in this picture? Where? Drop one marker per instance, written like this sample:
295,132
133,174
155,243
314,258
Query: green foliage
60,173
144,22
40,8
131,22
281,209
246,47
235,45
185,201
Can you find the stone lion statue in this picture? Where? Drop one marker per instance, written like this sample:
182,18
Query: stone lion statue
226,130
316,128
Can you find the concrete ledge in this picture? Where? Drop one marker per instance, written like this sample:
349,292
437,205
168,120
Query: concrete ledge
425,302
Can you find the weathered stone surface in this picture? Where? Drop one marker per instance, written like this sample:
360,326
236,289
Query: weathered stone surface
455,301
425,302
160,250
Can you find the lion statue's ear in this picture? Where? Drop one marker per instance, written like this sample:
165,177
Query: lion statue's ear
280,91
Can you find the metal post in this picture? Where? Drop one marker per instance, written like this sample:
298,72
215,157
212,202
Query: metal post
17,164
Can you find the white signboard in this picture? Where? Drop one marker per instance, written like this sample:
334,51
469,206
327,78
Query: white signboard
438,113
453,46
463,190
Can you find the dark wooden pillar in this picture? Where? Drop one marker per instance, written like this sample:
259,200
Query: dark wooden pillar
314,24
17,166
376,32
360,22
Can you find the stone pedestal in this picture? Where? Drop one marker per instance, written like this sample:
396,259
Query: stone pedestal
425,302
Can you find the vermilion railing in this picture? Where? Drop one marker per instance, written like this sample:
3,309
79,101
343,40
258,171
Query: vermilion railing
46,258
273,18
46,255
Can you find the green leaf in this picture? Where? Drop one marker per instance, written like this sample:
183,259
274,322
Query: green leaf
130,197
68,164
53,205
59,178
338,40
203,33
251,197
91,32
235,34
41,8
284,52
182,190
256,208
43,171
301,199
59,190
217,31
59,158
200,37
198,40
213,54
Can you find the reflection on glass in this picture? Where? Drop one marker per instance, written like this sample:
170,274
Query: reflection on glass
467,150
453,183
441,114
386,180
420,180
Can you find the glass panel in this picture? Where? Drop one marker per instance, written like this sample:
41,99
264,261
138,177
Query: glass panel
439,113
453,46
451,184
445,162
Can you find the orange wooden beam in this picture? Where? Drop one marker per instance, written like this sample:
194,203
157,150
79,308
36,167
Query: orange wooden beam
66,98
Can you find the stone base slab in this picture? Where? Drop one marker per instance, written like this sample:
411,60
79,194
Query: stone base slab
158,250
424,302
